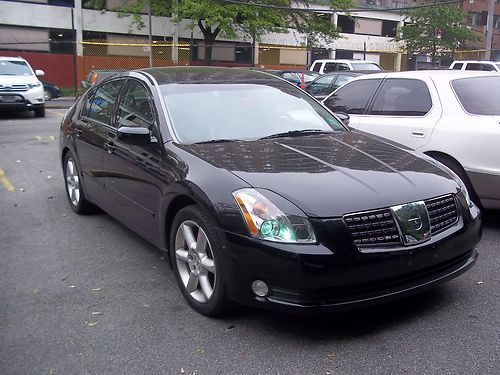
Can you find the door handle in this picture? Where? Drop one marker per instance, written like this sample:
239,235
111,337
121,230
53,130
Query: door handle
109,147
78,132
418,133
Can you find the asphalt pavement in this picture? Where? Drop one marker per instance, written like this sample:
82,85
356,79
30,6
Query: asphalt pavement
85,295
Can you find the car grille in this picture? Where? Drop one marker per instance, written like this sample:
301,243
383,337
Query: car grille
378,228
443,212
11,88
373,228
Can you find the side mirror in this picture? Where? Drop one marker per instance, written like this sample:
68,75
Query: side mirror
134,135
344,117
39,73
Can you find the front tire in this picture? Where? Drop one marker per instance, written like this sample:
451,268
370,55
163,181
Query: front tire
195,252
40,111
74,192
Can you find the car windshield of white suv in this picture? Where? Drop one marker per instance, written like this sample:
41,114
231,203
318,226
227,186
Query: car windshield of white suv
226,112
14,68
479,95
365,66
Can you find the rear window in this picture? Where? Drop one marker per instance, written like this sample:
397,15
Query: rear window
478,95
458,66
365,66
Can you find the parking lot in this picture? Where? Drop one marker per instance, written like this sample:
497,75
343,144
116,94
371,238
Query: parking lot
83,294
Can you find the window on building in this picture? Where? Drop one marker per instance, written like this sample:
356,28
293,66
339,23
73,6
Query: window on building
368,26
346,24
344,54
389,28
61,41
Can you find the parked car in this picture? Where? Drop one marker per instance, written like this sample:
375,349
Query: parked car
260,195
490,66
96,76
300,78
330,65
325,84
51,91
20,88
452,116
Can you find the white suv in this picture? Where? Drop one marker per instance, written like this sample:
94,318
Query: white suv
329,66
490,66
20,88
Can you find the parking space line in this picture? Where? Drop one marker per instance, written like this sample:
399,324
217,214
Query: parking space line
52,111
5,181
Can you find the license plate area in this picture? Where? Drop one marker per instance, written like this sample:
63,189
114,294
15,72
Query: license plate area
10,99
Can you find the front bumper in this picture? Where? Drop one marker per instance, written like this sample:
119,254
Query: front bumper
328,276
23,100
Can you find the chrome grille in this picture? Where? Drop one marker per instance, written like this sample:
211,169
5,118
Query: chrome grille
443,212
10,88
373,228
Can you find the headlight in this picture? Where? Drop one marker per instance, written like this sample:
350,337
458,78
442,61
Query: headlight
33,85
266,221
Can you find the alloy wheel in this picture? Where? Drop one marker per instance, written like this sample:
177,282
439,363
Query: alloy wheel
72,182
195,261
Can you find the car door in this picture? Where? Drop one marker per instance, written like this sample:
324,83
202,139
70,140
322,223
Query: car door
90,128
404,110
132,168
353,98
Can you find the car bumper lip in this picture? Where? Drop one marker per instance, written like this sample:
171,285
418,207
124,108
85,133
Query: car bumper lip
315,277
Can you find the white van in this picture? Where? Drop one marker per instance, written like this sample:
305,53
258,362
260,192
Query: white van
490,66
329,65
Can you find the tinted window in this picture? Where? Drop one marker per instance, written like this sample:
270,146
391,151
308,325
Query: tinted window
101,108
479,66
242,111
330,67
135,107
365,66
479,95
316,67
321,85
402,97
343,67
341,80
458,66
353,97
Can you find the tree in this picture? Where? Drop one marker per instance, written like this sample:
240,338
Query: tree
222,18
435,30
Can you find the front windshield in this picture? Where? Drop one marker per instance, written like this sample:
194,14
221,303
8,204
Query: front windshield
14,68
365,66
206,112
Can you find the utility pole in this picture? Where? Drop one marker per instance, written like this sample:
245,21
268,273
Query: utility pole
150,36
489,29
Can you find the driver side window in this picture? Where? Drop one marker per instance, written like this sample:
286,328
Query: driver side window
135,108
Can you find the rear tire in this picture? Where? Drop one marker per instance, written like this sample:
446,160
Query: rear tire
74,190
40,111
195,255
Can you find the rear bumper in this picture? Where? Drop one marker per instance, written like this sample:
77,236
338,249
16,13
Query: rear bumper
323,278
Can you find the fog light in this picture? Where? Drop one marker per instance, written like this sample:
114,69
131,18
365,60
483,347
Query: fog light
260,288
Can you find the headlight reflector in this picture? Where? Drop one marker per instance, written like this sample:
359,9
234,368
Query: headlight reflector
32,85
266,221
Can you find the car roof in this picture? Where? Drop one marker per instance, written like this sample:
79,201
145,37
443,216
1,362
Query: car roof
476,61
207,74
345,61
437,75
12,58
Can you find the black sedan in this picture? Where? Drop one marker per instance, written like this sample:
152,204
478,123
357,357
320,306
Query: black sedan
260,195
51,91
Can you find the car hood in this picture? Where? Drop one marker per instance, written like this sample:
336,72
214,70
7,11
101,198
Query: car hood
331,174
17,80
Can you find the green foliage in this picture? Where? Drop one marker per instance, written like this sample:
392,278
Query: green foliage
216,17
436,30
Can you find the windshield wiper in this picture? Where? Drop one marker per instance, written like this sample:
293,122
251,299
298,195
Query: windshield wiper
295,133
216,141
